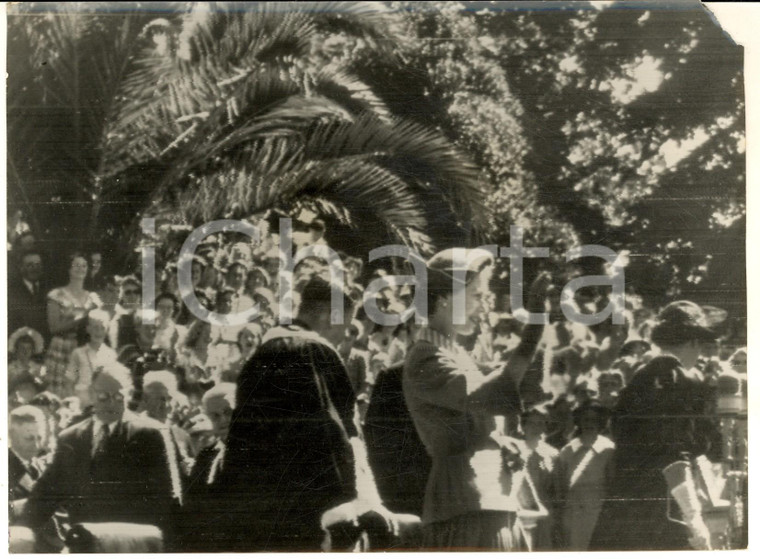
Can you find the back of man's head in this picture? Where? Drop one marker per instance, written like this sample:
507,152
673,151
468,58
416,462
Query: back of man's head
317,297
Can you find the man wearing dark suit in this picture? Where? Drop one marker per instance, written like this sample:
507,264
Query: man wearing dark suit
27,304
111,467
25,430
26,427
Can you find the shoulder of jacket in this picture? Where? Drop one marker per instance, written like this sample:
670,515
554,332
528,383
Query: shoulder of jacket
75,430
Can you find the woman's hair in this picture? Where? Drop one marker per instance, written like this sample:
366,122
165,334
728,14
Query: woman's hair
440,285
256,271
170,297
224,292
26,339
204,299
226,390
74,255
194,332
253,328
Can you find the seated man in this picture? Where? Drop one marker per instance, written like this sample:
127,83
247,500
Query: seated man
159,391
25,435
111,467
218,403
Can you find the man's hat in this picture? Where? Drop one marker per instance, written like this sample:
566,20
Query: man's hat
452,260
25,331
686,317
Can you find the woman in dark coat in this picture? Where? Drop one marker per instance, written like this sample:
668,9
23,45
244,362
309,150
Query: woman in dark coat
659,426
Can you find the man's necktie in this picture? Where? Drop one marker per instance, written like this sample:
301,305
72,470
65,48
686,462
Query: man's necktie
101,438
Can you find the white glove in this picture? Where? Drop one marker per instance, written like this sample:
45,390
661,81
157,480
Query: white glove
686,497
700,535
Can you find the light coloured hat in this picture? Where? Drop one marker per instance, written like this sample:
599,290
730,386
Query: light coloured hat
39,343
452,260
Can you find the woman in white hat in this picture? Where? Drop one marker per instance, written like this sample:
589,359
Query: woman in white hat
25,344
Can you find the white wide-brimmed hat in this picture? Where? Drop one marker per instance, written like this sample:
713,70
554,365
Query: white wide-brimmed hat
39,343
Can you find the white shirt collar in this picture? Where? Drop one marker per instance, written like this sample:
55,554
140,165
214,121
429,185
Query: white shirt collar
24,461
600,444
30,286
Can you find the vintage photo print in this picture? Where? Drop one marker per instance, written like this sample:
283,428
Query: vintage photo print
375,276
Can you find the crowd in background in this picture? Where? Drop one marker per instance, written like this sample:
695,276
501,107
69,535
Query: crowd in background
184,369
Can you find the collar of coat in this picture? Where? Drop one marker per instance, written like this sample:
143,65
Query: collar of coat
296,331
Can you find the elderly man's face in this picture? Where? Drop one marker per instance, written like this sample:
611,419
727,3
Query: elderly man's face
157,401
107,395
25,438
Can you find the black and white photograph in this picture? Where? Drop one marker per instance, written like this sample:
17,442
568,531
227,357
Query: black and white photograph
376,276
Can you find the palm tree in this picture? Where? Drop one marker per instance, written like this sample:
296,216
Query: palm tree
65,69
230,109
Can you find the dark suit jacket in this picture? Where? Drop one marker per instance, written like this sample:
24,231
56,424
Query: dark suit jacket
25,309
130,482
21,477
288,457
661,417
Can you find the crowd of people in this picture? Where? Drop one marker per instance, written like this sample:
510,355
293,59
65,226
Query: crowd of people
251,437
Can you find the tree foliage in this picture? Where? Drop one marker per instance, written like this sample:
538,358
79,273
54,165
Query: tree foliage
227,112
617,126
620,125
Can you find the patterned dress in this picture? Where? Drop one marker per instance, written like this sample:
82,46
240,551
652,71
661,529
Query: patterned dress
63,343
